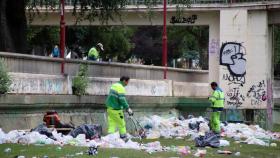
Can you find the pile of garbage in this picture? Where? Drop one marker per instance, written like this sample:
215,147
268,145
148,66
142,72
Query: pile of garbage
196,127
156,127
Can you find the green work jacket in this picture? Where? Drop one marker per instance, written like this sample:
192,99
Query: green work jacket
116,99
93,53
217,98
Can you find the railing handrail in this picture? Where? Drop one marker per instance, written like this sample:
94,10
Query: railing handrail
169,2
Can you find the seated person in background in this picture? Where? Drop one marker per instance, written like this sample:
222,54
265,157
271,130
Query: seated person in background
55,52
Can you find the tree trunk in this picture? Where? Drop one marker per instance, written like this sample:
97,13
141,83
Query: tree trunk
13,26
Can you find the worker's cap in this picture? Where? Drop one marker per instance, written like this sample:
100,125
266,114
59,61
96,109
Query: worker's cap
100,45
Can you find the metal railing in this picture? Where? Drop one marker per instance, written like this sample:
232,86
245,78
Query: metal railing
142,2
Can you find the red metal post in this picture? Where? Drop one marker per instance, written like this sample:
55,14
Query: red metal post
62,34
164,41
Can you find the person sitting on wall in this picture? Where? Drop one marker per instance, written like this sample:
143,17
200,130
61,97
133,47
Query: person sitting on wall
93,53
55,52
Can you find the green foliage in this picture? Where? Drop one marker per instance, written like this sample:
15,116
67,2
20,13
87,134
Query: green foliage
5,79
103,10
46,36
189,42
115,39
80,82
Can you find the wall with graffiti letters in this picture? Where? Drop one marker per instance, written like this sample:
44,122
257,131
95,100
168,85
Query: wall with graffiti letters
239,91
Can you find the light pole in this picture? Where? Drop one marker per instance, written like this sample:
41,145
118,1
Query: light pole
62,34
164,41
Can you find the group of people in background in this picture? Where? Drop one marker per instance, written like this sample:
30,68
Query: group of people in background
76,52
93,54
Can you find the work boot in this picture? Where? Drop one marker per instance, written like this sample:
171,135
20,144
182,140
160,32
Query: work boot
124,137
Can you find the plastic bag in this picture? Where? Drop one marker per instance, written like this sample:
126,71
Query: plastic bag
43,129
210,139
90,131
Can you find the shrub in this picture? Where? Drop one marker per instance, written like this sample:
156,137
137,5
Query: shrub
5,79
80,82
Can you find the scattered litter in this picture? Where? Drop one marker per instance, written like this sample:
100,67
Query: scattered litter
45,156
224,142
152,147
81,153
224,152
7,150
92,150
44,130
20,156
210,139
184,150
200,153
58,148
273,145
237,154
253,140
168,127
90,131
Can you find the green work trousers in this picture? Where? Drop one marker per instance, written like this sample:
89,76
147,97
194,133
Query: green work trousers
116,119
215,121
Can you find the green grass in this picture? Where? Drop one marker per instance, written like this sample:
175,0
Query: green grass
251,151
276,128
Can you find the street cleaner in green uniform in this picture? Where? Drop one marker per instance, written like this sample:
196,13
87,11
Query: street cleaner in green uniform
116,103
93,53
217,99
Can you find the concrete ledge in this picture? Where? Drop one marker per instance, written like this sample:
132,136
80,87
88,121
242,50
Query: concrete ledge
25,83
10,102
23,63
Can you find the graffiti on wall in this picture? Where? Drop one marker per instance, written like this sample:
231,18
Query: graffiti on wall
232,56
257,93
234,79
214,45
189,20
234,97
37,85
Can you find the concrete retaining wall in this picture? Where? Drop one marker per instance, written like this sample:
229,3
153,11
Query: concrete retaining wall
21,63
26,111
25,83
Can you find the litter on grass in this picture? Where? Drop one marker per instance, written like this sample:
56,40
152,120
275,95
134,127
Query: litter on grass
156,127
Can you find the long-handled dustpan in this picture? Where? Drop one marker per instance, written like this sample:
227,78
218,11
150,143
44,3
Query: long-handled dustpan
138,128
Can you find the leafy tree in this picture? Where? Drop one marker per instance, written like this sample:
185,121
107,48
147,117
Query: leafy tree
184,42
45,37
115,40
189,42
13,21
